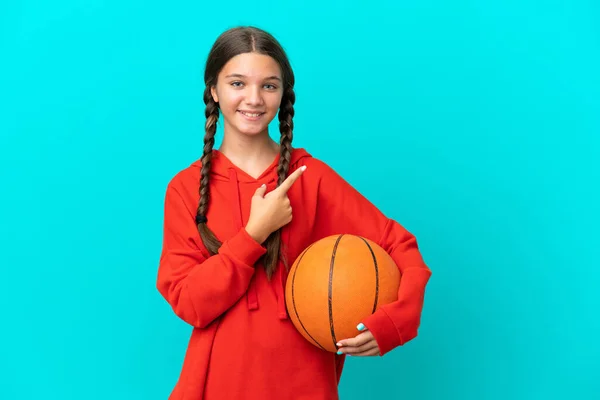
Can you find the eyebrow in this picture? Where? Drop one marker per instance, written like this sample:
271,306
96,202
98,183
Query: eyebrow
243,76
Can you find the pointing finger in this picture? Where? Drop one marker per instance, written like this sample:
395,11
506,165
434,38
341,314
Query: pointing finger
287,184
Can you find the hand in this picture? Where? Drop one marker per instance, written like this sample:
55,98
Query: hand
364,344
271,211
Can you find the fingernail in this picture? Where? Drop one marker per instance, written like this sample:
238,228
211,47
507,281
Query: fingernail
339,344
303,168
339,352
263,185
360,326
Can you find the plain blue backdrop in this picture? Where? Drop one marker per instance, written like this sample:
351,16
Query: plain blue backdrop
474,123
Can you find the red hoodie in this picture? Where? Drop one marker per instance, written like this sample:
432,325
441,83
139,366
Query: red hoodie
243,346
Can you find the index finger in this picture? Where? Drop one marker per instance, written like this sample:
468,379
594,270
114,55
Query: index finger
289,181
359,340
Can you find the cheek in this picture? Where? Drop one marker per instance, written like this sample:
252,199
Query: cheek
274,102
230,99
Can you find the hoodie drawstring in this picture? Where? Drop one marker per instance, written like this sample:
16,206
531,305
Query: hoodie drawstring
251,295
279,291
278,281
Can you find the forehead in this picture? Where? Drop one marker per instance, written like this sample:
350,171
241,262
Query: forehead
252,65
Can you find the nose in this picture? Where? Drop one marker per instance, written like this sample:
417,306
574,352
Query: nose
254,96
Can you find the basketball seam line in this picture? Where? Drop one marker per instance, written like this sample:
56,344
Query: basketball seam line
294,300
330,297
376,275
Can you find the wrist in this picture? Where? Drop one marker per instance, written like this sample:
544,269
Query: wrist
256,234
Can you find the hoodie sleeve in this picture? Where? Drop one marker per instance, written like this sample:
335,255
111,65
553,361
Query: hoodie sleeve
200,288
342,209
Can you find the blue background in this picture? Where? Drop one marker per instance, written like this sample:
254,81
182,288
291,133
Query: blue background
473,123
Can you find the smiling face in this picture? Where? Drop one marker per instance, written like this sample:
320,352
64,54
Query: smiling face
249,92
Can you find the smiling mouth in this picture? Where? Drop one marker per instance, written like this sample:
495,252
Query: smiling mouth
251,114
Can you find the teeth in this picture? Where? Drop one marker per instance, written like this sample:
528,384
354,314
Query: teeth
251,115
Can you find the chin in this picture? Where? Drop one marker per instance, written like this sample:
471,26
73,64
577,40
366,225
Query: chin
251,131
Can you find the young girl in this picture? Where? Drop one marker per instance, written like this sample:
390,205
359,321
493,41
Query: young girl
237,218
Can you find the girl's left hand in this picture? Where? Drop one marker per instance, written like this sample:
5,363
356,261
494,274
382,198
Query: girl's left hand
364,344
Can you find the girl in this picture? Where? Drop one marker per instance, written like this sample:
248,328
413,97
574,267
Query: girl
236,218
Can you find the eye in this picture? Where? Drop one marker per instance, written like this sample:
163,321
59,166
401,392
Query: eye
270,86
236,83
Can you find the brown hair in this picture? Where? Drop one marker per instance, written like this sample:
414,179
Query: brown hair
228,45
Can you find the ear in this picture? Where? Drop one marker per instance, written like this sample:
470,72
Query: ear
213,92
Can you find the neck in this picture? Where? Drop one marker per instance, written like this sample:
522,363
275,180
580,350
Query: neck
249,147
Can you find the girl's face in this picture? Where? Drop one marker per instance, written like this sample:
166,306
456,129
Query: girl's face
249,92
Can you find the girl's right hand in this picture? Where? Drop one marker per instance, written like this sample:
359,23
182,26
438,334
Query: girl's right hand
271,211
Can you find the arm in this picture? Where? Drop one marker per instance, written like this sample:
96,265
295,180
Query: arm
342,209
200,288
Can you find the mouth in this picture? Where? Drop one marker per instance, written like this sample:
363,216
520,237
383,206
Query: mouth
252,116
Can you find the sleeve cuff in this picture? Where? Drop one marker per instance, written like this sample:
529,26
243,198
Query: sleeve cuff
396,323
243,248
384,331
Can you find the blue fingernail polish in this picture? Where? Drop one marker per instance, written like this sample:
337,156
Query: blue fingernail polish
360,326
339,352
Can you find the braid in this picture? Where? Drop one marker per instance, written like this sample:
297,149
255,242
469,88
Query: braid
212,115
286,127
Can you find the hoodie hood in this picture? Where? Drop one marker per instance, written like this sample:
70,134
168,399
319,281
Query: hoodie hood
223,169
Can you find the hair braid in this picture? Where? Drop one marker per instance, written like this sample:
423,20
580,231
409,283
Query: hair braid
286,127
212,115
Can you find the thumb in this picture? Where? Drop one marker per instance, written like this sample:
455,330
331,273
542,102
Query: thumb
261,191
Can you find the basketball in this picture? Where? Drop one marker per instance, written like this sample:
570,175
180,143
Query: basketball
335,283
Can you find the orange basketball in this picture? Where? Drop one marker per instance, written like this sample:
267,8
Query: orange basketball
335,283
